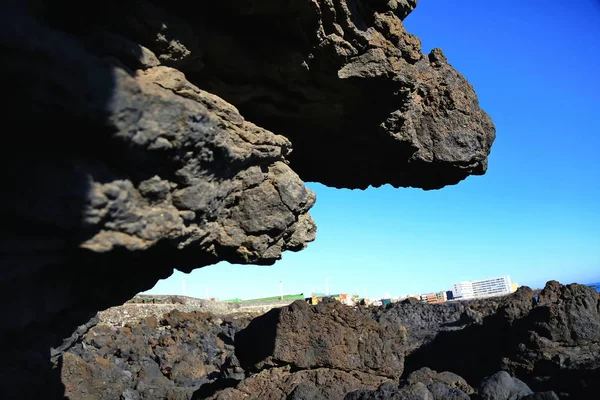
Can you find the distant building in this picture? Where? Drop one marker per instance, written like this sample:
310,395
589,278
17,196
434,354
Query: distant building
434,298
513,287
482,288
463,290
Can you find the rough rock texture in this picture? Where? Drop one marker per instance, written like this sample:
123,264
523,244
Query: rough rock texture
423,322
170,357
217,188
129,157
426,384
328,335
314,352
423,384
191,356
432,379
502,386
549,395
281,383
559,347
550,340
348,85
311,352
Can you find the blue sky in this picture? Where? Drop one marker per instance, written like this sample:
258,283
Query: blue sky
535,215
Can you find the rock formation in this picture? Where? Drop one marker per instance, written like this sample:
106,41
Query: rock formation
134,152
533,346
425,321
424,384
550,340
329,335
168,357
322,352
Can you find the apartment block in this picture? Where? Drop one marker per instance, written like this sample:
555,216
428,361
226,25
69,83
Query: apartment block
482,288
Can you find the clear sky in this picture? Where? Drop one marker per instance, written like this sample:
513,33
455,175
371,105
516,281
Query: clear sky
535,215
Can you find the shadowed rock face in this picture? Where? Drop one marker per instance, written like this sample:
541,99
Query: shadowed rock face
550,340
526,342
129,157
329,335
130,174
342,79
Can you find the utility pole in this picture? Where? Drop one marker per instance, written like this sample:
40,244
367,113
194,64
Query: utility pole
280,290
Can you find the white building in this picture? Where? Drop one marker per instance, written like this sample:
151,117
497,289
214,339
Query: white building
483,288
463,290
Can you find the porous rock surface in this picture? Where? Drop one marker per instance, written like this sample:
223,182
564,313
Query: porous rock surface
282,383
426,384
154,358
502,386
328,335
423,322
195,355
315,352
549,339
158,135
348,85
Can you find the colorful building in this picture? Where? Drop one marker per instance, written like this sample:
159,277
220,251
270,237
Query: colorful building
434,298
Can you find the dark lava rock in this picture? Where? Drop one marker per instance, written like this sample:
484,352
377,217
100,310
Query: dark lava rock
280,383
133,155
567,314
167,358
549,340
328,335
423,384
423,322
550,395
383,392
413,391
433,379
501,386
305,391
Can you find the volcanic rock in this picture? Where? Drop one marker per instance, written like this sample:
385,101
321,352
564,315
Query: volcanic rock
424,322
328,335
346,83
423,384
502,386
549,340
432,378
281,383
170,357
132,155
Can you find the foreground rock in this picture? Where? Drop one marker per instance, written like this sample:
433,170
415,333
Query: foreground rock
321,352
426,384
170,357
426,321
549,340
284,383
331,351
502,386
328,335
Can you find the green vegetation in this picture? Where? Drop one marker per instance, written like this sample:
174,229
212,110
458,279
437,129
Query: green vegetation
299,296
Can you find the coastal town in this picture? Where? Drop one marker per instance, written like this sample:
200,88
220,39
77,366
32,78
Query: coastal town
464,290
